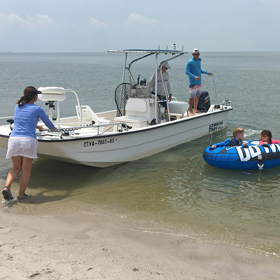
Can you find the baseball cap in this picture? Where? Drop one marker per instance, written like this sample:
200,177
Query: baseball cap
31,91
196,51
166,65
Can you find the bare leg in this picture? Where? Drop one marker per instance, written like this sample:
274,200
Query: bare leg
191,104
25,175
17,162
195,104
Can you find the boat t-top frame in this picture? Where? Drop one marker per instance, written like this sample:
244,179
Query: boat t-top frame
147,52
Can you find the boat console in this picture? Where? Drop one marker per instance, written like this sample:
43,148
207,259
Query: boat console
139,112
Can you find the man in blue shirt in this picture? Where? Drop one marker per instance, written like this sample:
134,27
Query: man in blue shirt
193,70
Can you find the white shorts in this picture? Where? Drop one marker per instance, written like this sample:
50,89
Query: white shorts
22,146
195,91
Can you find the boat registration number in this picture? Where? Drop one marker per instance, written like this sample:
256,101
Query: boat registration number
99,142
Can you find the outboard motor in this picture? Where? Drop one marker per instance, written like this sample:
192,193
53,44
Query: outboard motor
204,102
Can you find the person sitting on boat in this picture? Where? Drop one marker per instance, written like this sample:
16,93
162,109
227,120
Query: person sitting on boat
236,140
193,70
163,85
266,138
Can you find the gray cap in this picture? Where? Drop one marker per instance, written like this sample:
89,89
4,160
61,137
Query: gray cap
166,65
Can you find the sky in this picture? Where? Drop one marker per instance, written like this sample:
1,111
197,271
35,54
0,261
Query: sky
98,26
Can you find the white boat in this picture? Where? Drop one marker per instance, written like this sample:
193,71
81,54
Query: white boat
132,131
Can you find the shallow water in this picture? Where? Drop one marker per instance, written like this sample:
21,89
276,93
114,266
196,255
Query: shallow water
175,189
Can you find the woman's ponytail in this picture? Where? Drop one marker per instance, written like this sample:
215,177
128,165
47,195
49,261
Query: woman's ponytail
28,94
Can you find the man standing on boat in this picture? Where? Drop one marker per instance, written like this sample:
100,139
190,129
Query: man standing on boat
193,70
163,86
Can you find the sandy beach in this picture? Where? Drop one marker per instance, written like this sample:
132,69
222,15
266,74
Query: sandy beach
97,246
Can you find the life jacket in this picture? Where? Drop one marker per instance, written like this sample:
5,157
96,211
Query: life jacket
234,143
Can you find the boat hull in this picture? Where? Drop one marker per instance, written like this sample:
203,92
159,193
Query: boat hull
120,147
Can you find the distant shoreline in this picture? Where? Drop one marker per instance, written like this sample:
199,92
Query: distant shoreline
88,52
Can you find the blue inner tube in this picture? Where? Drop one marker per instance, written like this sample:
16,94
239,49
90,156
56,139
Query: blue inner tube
241,158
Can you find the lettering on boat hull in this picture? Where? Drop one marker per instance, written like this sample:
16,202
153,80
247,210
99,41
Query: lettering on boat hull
216,126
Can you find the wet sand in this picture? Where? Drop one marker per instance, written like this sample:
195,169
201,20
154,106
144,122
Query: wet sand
101,246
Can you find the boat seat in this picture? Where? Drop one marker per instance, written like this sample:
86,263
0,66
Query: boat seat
131,119
88,115
136,107
134,122
178,107
135,113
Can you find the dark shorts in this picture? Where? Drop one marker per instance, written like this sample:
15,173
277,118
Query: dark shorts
162,98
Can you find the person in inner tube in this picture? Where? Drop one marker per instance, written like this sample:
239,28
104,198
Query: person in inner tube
163,85
266,138
236,140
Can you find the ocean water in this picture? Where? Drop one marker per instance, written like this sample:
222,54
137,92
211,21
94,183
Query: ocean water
175,190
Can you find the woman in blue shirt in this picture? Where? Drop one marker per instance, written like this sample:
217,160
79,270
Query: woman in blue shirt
22,145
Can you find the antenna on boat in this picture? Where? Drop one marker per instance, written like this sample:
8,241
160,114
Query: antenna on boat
174,48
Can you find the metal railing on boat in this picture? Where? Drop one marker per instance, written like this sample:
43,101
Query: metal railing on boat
74,128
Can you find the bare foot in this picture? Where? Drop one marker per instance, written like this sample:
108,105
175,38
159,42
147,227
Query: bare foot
192,114
196,111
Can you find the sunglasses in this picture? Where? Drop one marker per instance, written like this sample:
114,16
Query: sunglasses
196,54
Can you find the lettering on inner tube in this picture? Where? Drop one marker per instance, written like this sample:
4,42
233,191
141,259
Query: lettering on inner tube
215,126
252,152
